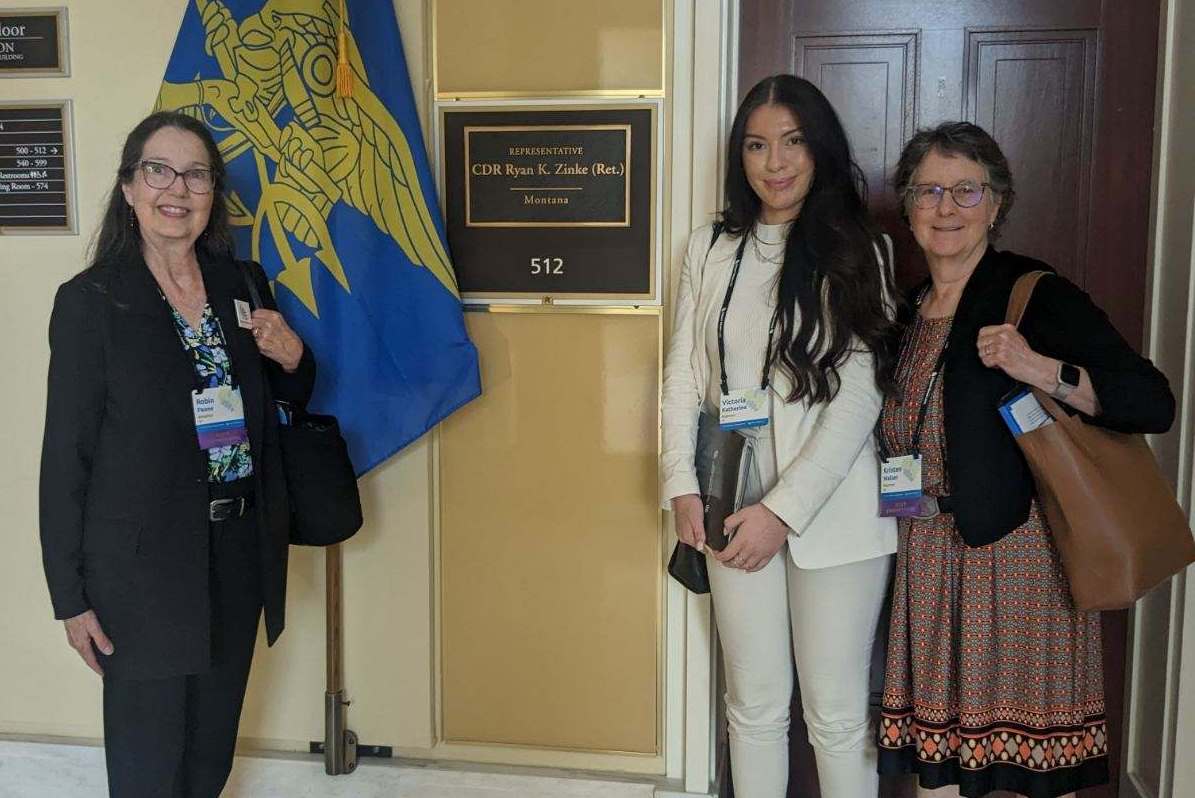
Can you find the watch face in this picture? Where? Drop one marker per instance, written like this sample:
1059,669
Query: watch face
1069,374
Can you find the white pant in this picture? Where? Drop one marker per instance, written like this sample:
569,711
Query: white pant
832,613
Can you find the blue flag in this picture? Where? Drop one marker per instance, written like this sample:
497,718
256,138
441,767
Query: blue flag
333,196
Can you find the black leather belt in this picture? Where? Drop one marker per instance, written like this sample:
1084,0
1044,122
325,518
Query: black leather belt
228,509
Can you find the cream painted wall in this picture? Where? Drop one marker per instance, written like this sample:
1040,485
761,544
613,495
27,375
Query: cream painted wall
118,52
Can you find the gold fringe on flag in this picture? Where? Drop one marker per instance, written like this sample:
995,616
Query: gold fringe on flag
344,72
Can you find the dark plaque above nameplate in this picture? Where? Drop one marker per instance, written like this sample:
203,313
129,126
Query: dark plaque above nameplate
33,43
551,203
36,191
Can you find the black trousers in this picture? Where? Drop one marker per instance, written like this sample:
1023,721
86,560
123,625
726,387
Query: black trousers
174,737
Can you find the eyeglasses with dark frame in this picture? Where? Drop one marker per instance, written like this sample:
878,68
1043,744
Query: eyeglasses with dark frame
162,176
965,193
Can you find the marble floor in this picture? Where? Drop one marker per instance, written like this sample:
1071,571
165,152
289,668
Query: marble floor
47,770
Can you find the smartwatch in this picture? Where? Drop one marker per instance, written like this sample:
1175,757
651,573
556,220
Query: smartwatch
1068,381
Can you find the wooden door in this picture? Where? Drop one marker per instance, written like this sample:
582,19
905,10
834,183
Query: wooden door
1067,89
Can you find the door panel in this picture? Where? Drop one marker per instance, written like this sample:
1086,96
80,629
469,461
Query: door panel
530,632
1066,87
871,80
1034,91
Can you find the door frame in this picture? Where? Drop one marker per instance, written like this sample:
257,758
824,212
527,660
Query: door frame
1171,268
699,124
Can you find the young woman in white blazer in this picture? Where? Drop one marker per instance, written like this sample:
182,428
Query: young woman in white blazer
793,284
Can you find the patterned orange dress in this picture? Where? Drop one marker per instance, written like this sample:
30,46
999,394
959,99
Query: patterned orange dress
994,680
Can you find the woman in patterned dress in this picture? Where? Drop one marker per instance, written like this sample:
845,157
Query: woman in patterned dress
994,679
164,536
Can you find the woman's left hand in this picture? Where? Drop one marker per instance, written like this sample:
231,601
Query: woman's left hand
1002,347
758,535
275,339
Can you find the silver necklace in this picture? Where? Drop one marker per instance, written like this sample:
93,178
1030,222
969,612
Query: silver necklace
773,259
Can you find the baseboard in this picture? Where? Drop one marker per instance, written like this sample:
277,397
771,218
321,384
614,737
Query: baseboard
51,739
77,771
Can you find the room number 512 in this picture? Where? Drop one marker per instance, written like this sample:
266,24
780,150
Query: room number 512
547,265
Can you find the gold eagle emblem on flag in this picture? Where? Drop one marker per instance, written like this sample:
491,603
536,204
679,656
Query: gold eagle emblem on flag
335,148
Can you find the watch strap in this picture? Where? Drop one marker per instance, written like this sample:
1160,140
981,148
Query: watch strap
1064,387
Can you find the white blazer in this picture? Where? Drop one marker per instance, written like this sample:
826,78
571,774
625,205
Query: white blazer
828,487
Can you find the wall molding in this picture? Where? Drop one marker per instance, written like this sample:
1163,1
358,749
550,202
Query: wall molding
699,121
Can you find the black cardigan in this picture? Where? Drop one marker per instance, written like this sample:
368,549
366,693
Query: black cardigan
987,475
124,493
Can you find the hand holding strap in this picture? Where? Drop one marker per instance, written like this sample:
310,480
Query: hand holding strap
1018,300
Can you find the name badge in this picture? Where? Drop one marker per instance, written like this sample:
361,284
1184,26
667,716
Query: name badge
746,407
1023,413
244,314
219,416
900,487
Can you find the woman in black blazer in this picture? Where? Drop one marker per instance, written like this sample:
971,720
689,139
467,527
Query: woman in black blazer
164,529
994,679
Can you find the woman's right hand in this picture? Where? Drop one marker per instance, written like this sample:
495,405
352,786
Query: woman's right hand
690,520
82,631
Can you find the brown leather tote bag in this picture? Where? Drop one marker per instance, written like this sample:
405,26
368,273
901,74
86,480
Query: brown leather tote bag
1113,516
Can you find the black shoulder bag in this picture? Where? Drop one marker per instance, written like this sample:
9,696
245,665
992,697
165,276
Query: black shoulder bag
325,504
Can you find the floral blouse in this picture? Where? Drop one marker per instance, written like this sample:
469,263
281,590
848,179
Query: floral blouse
207,348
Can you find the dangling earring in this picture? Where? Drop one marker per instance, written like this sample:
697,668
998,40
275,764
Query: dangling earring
991,225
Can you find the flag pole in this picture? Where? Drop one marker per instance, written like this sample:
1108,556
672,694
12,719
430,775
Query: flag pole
340,743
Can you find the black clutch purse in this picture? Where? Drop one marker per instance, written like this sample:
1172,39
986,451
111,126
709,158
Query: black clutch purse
687,566
723,461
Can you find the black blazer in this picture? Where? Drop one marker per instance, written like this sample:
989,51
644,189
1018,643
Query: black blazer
989,480
124,492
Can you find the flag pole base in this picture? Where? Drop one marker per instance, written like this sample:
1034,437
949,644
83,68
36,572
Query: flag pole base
340,743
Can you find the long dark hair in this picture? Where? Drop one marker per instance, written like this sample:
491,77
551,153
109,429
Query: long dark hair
830,277
118,240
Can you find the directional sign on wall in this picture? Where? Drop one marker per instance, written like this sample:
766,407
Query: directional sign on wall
36,186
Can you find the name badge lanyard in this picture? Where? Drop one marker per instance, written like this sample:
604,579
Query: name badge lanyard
927,506
199,379
923,409
767,358
226,426
233,382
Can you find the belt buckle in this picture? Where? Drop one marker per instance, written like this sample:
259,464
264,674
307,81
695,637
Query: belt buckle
223,509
